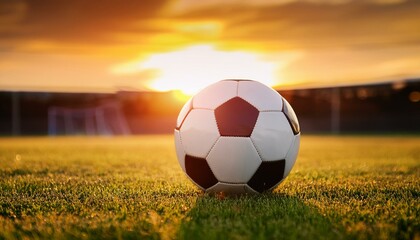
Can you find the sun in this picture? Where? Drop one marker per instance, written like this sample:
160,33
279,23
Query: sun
190,69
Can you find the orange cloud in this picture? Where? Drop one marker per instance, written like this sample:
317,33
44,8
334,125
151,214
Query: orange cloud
334,39
318,25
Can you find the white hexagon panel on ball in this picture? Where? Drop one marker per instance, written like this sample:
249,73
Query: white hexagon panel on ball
233,159
180,153
199,132
261,96
214,95
272,136
183,113
292,155
291,116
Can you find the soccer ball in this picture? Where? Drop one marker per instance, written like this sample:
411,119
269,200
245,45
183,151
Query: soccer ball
237,136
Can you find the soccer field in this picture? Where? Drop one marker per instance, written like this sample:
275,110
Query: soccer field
364,187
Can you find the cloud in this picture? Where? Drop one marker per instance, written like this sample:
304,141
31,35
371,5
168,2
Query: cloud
345,65
77,21
27,71
148,24
334,39
318,25
181,6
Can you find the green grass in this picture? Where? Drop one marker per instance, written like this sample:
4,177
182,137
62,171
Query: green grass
364,187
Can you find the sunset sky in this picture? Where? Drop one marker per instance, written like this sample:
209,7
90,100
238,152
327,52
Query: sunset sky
83,45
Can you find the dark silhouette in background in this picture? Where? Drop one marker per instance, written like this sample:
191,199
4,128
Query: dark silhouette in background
374,108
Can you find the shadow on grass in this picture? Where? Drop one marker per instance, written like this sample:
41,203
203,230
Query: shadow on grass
266,216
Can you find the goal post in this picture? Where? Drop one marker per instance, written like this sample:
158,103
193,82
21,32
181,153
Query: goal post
103,119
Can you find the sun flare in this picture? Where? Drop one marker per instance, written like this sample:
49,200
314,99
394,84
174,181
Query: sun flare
193,68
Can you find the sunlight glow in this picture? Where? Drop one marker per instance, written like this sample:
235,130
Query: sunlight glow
181,96
203,28
193,68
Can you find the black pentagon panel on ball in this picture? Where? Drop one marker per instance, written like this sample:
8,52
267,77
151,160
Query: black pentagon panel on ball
267,175
291,117
236,117
199,171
